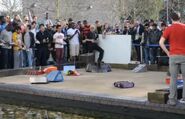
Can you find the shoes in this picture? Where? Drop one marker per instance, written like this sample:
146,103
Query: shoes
182,101
172,102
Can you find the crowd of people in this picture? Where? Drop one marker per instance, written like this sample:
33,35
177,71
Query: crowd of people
27,43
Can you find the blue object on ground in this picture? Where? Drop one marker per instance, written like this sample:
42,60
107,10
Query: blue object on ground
55,76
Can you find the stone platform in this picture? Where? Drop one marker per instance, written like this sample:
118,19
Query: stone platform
94,92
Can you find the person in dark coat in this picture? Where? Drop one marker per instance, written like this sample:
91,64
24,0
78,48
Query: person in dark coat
92,45
42,46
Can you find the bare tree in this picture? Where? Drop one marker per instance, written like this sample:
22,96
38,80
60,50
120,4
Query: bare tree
11,6
143,9
178,5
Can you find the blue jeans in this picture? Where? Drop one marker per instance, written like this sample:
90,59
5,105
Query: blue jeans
137,48
65,53
153,55
30,57
17,59
24,58
6,58
146,55
176,63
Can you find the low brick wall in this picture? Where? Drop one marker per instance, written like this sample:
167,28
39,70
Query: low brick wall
87,103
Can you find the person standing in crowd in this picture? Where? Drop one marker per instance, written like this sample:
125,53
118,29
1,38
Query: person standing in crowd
117,29
29,42
162,53
16,21
42,46
85,31
151,23
155,35
34,18
98,27
59,45
17,48
26,21
49,31
70,20
2,23
175,34
2,27
138,31
6,39
106,29
47,20
64,26
9,23
163,26
74,41
92,37
80,27
126,30
145,43
132,32
34,29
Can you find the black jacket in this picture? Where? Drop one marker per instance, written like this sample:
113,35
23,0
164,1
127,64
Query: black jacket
155,36
50,34
146,38
43,38
133,32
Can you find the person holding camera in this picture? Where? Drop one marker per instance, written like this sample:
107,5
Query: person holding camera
74,41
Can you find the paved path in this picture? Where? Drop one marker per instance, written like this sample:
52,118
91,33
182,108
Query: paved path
102,83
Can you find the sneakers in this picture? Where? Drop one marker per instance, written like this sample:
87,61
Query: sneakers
182,101
172,102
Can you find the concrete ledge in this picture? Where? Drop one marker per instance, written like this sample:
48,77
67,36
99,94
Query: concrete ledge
132,66
12,72
88,102
22,71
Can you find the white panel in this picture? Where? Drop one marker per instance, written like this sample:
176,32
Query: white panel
117,48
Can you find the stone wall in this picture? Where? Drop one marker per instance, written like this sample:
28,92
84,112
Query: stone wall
91,10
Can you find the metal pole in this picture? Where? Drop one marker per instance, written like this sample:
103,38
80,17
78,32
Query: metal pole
167,10
58,8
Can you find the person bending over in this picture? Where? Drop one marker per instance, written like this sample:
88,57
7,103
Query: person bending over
92,37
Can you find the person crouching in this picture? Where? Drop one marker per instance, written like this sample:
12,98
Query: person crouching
92,45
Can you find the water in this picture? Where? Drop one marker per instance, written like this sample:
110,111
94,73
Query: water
17,112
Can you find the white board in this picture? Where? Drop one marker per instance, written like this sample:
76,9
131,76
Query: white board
117,48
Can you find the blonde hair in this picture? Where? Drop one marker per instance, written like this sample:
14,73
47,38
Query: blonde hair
92,27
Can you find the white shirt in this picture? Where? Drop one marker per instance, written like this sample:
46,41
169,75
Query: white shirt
75,39
34,31
48,21
59,40
6,36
